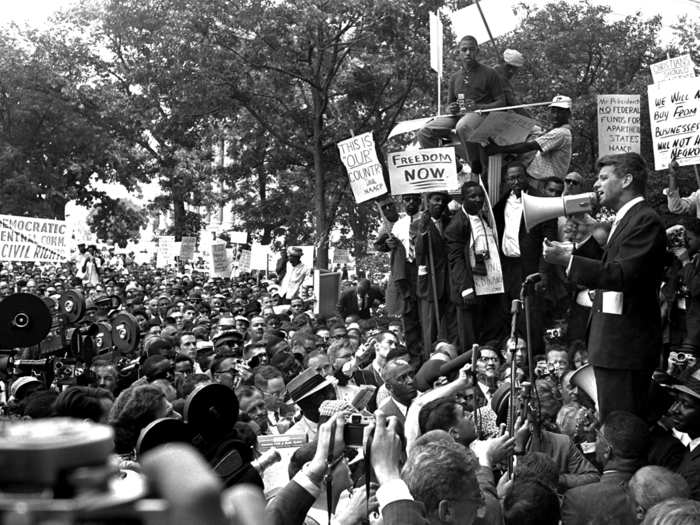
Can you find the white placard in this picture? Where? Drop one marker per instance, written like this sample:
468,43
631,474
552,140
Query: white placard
239,237
187,248
674,110
166,251
618,124
359,157
673,69
32,239
504,127
423,170
220,266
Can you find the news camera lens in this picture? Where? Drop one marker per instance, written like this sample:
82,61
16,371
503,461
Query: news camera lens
20,320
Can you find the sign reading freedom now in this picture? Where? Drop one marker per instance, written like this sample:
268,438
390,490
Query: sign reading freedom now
30,239
423,170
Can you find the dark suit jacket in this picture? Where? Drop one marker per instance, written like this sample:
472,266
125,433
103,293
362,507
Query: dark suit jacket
389,408
404,512
631,263
574,468
289,506
439,249
530,243
458,235
690,470
605,498
347,304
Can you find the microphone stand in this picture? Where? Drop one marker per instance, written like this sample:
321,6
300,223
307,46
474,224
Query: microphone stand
515,309
528,288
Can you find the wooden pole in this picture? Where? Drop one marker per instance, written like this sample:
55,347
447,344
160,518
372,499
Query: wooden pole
488,30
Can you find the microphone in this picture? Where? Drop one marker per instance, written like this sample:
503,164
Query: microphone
266,459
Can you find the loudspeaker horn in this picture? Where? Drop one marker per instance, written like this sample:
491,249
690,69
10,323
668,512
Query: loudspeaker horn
584,378
540,209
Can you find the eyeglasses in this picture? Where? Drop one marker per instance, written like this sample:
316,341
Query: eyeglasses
571,182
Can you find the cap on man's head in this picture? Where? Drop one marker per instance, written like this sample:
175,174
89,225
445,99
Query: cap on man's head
513,58
295,250
561,101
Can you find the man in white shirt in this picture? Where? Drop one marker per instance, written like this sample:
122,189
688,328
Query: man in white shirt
295,274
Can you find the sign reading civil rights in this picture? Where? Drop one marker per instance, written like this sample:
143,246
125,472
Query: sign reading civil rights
31,239
618,124
674,108
364,170
673,69
422,170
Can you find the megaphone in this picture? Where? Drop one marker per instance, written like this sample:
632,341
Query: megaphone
584,378
540,209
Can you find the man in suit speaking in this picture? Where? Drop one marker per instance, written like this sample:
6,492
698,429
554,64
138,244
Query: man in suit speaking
624,334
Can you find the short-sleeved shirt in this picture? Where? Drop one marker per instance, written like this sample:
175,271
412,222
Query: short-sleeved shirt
555,156
482,84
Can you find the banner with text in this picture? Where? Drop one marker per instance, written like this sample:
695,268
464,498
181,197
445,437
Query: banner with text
30,239
219,260
364,170
618,124
187,248
422,170
244,261
673,69
674,108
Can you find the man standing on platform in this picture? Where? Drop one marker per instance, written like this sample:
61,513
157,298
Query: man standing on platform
473,87
624,339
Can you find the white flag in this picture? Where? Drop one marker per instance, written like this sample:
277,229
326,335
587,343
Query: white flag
436,44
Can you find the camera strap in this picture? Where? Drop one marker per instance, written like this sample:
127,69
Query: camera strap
329,475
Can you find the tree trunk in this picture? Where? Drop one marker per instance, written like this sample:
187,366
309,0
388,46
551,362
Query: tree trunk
321,240
178,216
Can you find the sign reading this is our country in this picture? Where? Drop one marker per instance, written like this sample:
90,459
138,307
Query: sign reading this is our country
418,171
364,170
31,239
618,124
673,69
674,109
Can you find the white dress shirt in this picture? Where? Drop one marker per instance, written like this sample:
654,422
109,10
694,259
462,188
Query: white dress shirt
511,232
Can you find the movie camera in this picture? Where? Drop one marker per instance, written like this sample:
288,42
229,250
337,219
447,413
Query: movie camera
57,341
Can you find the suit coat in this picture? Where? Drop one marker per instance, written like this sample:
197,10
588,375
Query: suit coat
458,235
439,249
348,303
389,408
632,263
690,470
289,506
574,468
605,498
530,242
404,512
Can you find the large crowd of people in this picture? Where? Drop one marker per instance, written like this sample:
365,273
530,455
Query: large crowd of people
582,407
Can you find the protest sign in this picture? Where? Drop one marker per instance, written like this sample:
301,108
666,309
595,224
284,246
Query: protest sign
504,127
359,157
674,110
618,124
276,475
219,260
260,257
166,251
239,237
31,239
341,256
418,171
244,261
499,13
187,248
673,69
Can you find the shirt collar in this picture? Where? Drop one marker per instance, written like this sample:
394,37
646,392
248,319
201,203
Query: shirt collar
623,211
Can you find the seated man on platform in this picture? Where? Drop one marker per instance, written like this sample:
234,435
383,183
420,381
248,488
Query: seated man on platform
475,86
